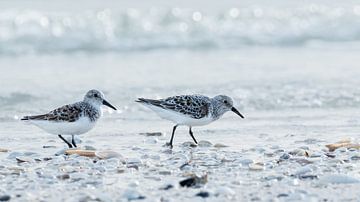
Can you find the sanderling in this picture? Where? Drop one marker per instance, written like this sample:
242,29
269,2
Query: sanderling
190,110
72,119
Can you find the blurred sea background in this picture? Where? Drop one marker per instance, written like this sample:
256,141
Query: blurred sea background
292,67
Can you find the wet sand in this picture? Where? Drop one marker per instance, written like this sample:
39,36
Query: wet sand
282,165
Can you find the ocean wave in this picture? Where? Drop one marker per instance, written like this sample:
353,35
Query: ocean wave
298,96
15,98
31,31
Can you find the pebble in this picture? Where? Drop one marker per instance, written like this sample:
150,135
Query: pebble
298,152
133,195
49,146
282,195
23,159
165,172
13,155
256,166
63,177
188,144
152,134
134,161
311,177
269,154
258,149
134,183
302,161
203,194
151,140
5,198
204,143
246,162
274,177
167,187
194,181
285,156
330,155
67,169
355,158
315,155
279,151
219,145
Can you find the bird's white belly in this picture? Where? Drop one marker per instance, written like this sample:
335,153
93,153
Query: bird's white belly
179,118
78,127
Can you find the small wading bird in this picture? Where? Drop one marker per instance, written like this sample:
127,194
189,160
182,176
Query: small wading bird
72,119
190,110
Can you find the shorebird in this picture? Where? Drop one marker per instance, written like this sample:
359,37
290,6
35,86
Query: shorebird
190,110
73,119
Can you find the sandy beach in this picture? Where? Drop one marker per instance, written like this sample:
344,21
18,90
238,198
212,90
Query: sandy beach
296,85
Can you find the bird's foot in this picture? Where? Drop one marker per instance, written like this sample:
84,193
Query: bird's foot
168,144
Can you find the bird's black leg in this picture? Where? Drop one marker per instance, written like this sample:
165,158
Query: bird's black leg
61,137
191,134
172,136
73,140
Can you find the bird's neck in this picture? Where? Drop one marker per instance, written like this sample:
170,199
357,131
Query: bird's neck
93,110
216,111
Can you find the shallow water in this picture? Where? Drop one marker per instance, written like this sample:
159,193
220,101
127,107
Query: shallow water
296,86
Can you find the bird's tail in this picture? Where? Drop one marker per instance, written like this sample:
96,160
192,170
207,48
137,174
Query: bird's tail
36,117
149,102
141,100
25,118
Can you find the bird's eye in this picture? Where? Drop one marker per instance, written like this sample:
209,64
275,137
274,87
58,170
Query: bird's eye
96,95
225,101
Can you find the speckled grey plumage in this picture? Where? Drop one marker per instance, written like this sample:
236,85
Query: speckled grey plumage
195,106
69,113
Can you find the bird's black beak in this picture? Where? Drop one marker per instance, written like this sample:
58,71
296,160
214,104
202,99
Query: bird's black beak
108,104
236,112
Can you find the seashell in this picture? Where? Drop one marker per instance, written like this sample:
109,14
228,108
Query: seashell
4,150
87,153
256,166
343,143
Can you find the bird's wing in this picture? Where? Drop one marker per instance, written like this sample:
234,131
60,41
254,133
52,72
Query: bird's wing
68,113
195,106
